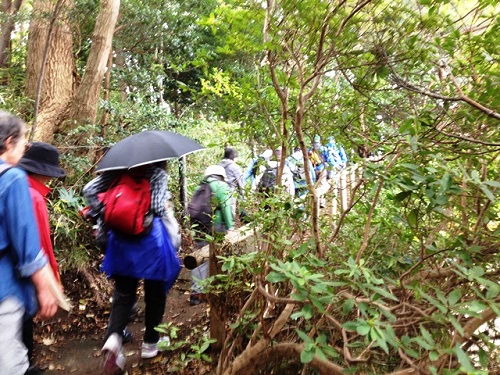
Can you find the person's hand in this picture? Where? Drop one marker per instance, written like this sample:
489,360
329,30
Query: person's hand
47,301
47,304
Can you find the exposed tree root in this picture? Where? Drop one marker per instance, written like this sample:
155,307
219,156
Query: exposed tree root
98,284
284,352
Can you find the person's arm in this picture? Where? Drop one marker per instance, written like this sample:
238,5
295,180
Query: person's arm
342,155
249,171
93,188
223,194
42,220
311,172
235,177
25,244
159,192
288,180
239,179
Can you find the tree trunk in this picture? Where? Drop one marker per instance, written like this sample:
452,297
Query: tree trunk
86,101
9,9
49,66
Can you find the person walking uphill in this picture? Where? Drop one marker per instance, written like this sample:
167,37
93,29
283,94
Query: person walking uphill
234,174
210,213
150,256
24,285
41,162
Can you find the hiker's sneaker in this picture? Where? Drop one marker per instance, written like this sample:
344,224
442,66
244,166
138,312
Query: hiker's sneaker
127,336
194,299
114,361
150,350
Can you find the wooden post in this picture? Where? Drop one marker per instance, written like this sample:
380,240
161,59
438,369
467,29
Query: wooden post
242,240
335,193
197,258
217,321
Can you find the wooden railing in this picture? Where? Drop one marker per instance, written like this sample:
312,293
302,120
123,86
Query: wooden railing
337,190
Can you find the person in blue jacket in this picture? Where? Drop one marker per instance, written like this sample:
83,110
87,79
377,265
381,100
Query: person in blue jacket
334,156
252,169
24,271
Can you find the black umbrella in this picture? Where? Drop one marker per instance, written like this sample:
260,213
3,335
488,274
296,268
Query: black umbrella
146,147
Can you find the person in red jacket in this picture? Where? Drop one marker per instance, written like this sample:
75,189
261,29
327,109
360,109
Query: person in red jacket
41,163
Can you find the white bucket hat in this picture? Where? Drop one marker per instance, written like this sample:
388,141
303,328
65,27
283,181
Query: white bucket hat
216,170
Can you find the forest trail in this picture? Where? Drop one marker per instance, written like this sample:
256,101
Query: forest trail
79,353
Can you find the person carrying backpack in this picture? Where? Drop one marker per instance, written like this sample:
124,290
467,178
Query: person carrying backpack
265,182
129,257
335,157
210,213
234,175
253,167
295,163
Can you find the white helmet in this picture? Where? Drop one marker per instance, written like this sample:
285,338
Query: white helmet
216,170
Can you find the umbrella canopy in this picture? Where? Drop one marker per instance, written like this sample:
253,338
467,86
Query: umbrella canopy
146,147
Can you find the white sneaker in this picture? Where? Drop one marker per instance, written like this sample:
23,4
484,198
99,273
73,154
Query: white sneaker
114,360
150,350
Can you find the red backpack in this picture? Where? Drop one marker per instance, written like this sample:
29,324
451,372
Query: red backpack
127,205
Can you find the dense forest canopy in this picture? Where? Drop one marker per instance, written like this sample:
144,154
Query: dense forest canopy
404,277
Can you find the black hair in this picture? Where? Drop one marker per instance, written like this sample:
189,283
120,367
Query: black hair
10,127
230,153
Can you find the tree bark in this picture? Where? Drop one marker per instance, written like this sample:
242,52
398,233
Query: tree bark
86,101
9,9
49,30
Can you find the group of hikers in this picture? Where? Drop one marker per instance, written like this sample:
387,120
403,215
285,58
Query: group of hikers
216,196
140,236
325,162
30,284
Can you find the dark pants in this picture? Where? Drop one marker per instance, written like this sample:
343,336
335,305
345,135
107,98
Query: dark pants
28,335
124,298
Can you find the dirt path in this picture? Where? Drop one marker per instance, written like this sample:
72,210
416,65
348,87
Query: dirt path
79,353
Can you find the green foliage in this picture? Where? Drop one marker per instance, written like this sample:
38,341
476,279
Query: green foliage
406,274
72,238
189,351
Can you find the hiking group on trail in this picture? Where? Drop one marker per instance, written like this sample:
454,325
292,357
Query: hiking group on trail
134,224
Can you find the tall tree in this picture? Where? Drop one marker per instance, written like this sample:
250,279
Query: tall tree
9,10
50,65
85,105
52,77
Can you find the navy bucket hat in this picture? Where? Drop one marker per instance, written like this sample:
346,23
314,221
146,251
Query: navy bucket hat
43,159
